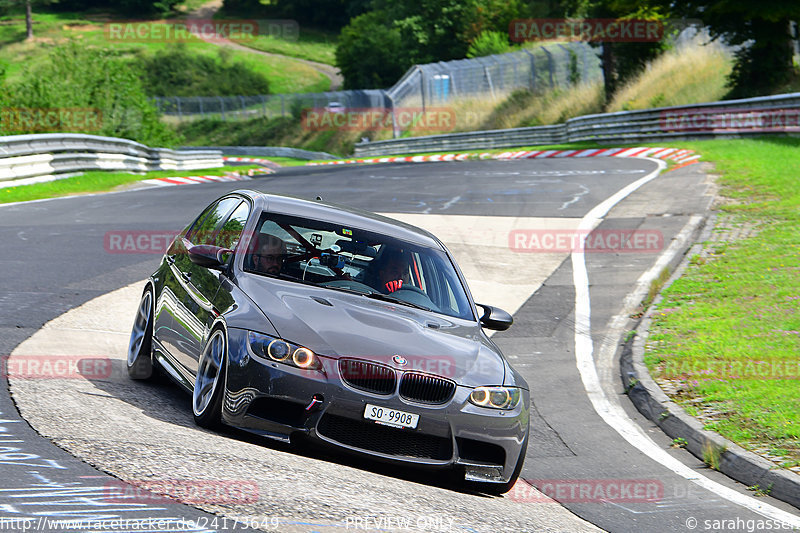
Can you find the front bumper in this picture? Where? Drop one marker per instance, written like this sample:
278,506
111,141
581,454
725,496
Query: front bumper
274,400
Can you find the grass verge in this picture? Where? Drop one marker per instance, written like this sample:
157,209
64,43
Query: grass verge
313,45
97,181
286,75
726,336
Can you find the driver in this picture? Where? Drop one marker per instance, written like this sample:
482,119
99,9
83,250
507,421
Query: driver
393,272
270,254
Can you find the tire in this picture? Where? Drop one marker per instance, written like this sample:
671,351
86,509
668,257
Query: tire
209,383
140,347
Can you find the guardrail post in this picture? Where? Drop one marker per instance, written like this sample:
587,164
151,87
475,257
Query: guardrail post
489,80
180,114
395,129
550,65
422,86
533,69
222,107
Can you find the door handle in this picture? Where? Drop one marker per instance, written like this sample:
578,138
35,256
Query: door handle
187,276
171,259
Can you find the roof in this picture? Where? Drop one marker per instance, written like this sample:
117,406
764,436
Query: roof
342,215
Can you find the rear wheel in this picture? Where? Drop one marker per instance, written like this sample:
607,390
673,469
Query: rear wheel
140,347
210,381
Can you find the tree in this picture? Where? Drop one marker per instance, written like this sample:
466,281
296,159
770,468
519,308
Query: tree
621,61
418,32
330,14
762,29
370,54
13,5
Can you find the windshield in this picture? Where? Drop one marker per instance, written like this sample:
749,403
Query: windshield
357,261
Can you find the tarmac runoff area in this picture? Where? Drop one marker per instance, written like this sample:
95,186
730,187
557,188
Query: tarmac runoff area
143,433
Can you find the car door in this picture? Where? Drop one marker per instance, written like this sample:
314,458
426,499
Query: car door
193,287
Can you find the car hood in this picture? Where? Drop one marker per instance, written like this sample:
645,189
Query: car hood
337,324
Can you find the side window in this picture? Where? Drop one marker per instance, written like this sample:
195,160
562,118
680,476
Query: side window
231,231
202,231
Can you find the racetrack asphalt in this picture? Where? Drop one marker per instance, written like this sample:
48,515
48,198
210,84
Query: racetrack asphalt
58,253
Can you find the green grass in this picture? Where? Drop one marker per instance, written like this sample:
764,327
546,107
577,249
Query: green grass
691,75
285,74
313,45
728,331
287,161
97,181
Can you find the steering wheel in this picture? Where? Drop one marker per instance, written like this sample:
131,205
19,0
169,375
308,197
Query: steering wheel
411,288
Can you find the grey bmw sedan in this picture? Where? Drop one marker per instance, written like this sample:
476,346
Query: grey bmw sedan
289,317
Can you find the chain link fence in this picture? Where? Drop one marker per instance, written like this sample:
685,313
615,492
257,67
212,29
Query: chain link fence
541,69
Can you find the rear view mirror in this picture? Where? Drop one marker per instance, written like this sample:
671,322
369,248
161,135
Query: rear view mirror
495,318
208,256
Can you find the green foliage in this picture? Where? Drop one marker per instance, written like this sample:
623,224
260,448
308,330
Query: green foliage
763,28
329,14
86,80
179,72
376,48
622,61
134,8
370,54
488,43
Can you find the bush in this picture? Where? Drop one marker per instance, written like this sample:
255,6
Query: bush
76,78
489,43
179,72
370,54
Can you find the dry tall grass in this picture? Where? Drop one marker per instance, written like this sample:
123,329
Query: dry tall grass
693,74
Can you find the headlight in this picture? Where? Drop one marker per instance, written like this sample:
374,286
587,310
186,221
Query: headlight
280,351
505,398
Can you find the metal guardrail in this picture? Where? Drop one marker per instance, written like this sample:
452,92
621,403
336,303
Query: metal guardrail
750,116
264,151
29,156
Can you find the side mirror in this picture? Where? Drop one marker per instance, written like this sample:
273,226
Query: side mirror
206,255
495,318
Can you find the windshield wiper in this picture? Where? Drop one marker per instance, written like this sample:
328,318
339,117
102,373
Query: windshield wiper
392,299
346,289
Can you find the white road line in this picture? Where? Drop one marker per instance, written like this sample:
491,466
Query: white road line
613,414
451,202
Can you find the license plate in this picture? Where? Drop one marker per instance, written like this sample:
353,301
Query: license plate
391,417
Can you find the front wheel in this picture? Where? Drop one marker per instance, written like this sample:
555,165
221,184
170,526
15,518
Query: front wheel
140,347
210,381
